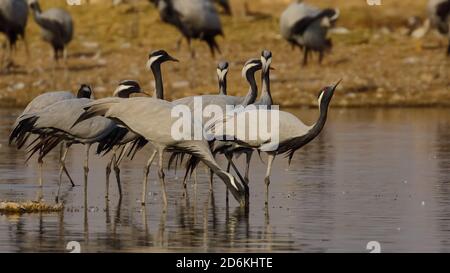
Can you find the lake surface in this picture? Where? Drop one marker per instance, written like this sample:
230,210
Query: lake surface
372,175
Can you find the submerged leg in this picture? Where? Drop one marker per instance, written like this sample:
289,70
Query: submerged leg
108,173
117,172
40,163
40,195
270,160
86,168
146,171
161,176
227,191
195,176
211,180
64,150
247,166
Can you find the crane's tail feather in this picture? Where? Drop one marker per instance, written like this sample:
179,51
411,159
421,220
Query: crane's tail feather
44,146
112,139
22,130
138,144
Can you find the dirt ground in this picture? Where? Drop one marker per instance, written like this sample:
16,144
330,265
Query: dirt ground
380,64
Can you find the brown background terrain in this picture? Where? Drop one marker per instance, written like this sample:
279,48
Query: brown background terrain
379,63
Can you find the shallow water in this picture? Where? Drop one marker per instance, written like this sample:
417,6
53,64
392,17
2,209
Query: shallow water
372,175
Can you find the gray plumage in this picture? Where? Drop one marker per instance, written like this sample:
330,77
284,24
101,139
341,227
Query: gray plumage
44,141
59,118
13,20
155,59
56,25
292,134
230,149
195,19
306,27
439,13
142,116
19,136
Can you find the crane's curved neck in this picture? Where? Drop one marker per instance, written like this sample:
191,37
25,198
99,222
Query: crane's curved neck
159,88
252,92
37,12
223,86
209,161
320,123
266,97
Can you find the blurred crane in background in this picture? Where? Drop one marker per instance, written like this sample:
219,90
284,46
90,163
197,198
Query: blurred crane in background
195,19
57,27
306,26
13,20
439,12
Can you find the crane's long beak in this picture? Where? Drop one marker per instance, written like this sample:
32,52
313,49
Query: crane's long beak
336,85
173,59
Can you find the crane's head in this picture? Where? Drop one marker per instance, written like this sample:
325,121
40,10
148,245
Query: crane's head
34,5
326,94
158,57
250,68
126,88
329,17
266,59
222,70
85,91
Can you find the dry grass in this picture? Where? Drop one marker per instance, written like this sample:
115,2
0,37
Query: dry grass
379,64
9,207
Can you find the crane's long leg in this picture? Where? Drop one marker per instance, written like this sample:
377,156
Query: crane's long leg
247,166
146,171
40,195
227,191
117,160
40,163
161,176
270,159
305,56
64,151
195,176
86,168
108,173
117,170
211,180
320,57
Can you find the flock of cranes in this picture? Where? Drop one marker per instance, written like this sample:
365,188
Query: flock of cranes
301,24
121,125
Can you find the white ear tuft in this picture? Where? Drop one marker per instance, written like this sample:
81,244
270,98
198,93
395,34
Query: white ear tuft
152,60
320,97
